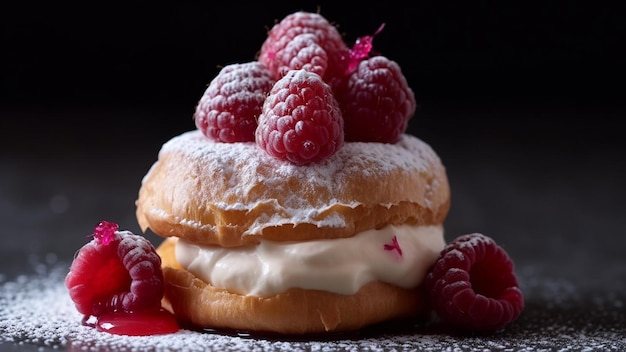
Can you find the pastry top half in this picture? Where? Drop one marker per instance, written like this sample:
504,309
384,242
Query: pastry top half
234,194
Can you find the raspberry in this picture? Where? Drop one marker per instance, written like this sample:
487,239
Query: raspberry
302,52
116,271
301,121
277,47
231,104
376,102
473,286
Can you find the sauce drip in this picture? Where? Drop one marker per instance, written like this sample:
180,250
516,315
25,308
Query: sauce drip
144,323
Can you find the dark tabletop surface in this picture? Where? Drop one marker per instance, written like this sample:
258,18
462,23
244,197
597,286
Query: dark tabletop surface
538,164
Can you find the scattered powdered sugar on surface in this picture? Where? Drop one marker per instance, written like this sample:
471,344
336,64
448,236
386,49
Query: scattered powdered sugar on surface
36,310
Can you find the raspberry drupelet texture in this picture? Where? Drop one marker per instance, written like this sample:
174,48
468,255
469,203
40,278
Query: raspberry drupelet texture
232,102
376,102
277,49
301,121
302,52
116,271
473,286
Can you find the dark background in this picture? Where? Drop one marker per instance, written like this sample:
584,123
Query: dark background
163,54
145,66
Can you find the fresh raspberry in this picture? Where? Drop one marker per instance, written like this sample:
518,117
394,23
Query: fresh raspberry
276,48
231,104
376,102
302,52
473,286
301,121
116,271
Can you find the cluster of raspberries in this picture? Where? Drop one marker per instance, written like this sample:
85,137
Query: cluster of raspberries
307,93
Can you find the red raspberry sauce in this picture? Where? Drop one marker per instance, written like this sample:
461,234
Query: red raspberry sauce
138,323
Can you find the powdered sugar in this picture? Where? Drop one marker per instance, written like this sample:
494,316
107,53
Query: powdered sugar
36,310
409,153
246,166
227,177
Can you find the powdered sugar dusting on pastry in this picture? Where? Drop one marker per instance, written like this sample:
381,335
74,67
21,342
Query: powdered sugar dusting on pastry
243,166
197,182
410,152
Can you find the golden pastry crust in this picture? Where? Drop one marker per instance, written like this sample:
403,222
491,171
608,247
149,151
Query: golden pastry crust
235,194
296,311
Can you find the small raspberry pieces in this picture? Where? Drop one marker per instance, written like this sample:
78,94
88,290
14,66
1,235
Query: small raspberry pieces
361,50
376,102
285,35
105,232
473,286
122,273
301,121
231,104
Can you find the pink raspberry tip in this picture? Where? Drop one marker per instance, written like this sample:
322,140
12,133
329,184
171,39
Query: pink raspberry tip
105,232
301,121
361,50
473,286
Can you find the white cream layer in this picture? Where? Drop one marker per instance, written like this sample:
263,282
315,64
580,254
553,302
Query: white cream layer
339,265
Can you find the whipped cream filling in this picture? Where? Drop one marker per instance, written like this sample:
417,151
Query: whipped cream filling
399,255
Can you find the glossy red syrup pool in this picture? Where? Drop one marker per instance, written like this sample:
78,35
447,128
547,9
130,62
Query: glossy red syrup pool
144,323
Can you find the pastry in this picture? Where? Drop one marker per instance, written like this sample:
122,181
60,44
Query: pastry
325,215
